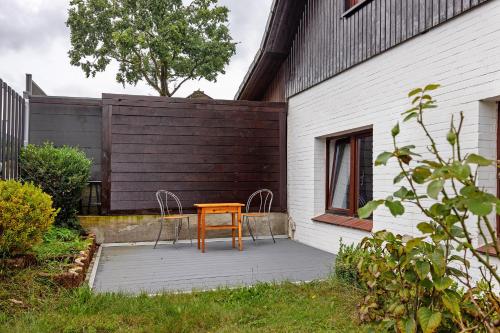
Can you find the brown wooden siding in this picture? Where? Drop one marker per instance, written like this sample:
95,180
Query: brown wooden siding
276,90
205,151
327,44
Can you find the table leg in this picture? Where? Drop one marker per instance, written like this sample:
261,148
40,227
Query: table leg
240,242
198,225
203,232
233,231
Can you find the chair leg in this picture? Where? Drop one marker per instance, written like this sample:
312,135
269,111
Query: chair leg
270,229
189,231
249,228
178,227
159,234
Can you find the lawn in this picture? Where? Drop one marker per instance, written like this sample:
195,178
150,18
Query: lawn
314,307
31,302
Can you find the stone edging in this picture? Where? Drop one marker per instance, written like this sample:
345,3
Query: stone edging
75,275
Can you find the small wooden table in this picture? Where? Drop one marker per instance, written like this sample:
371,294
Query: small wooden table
219,208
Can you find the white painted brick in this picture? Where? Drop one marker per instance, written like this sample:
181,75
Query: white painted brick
462,55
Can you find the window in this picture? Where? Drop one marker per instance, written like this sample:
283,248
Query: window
349,173
351,3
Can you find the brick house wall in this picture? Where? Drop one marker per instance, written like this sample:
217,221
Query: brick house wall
463,55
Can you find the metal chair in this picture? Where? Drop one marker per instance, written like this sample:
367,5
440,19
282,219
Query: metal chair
171,214
265,198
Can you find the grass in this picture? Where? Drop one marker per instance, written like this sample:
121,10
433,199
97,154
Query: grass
31,302
59,242
326,306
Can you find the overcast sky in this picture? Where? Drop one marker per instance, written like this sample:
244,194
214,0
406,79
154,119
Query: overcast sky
34,39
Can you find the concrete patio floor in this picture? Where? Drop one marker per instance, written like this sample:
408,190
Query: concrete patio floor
140,268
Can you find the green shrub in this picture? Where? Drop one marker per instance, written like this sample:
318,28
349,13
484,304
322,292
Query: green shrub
413,281
61,172
25,214
346,263
59,242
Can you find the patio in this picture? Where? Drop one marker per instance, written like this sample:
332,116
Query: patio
140,268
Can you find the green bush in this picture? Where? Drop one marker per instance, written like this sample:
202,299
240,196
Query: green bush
61,172
425,284
25,214
59,242
346,263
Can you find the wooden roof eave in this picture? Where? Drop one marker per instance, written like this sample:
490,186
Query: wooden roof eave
274,49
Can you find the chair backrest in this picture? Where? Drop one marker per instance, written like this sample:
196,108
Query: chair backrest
264,197
164,197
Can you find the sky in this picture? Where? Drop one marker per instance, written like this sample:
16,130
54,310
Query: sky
34,39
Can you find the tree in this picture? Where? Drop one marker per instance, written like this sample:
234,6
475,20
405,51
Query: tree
162,42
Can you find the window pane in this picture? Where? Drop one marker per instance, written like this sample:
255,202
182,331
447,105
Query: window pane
365,169
340,174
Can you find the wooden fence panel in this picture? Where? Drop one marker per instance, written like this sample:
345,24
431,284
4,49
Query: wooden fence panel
68,121
205,151
12,119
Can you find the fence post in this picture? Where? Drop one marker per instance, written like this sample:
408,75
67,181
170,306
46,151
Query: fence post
107,113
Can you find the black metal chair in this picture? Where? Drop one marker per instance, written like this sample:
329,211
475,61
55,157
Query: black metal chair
265,199
171,213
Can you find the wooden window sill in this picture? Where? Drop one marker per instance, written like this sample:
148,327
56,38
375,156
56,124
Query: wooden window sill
488,249
345,221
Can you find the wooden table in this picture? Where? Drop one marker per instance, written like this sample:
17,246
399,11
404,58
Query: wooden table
219,208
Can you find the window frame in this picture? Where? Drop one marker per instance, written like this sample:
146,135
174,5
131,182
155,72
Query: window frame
350,10
352,138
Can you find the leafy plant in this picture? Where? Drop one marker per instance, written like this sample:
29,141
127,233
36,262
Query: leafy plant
412,286
25,214
163,42
347,261
59,242
61,172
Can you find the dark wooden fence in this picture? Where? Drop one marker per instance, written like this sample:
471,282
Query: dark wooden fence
68,121
12,118
203,150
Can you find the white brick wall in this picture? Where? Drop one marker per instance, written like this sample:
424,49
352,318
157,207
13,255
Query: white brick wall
463,55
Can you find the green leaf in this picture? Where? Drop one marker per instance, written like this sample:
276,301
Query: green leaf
432,86
425,227
367,210
422,268
442,283
395,207
414,92
420,174
452,302
478,206
479,160
395,130
438,263
410,116
434,188
401,193
399,177
383,158
407,326
429,321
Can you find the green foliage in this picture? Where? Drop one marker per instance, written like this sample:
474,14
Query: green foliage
163,42
61,172
25,214
346,264
60,242
325,306
413,283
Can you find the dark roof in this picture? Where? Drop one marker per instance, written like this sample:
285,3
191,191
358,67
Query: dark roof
274,49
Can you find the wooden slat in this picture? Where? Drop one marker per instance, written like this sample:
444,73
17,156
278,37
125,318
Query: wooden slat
220,151
370,30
